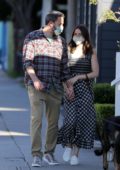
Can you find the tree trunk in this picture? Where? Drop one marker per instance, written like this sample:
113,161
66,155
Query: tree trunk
19,36
22,11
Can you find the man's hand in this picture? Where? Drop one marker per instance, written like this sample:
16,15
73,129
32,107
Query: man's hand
69,91
38,85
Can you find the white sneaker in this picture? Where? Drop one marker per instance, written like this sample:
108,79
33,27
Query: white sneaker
74,160
49,159
67,154
37,162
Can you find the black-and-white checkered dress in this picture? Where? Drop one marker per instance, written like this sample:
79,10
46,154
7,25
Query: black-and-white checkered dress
79,115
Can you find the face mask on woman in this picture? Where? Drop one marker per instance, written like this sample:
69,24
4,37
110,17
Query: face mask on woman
78,39
58,30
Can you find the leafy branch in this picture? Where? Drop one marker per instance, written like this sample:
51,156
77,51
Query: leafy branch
109,15
93,2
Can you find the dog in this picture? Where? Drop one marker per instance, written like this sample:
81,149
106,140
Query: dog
109,136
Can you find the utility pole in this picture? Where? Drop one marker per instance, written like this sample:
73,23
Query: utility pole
46,7
71,18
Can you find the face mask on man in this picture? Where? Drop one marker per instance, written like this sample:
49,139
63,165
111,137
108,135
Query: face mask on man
78,39
58,30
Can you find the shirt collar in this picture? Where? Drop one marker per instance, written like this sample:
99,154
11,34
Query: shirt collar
42,33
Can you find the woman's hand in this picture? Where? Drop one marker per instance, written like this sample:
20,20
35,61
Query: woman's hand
74,79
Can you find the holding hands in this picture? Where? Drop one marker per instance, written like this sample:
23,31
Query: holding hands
68,86
69,91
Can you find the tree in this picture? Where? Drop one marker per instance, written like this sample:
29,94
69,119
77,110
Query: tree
21,14
22,10
5,11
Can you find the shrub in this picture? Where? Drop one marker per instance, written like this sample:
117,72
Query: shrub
104,93
104,111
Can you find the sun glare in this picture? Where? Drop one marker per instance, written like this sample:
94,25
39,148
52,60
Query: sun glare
10,133
13,109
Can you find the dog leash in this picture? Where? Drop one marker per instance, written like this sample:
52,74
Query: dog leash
116,124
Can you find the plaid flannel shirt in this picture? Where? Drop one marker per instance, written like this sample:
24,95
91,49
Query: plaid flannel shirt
48,58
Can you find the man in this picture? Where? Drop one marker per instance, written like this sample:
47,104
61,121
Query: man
45,65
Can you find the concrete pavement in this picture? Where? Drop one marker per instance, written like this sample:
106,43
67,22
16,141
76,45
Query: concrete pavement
15,137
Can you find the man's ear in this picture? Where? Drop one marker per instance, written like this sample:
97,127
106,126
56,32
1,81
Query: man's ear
51,24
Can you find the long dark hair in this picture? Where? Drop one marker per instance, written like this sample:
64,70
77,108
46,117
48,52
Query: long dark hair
87,45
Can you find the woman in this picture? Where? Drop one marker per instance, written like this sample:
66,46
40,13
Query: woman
78,128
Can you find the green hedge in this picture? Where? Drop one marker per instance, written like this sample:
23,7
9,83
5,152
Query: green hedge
104,93
104,111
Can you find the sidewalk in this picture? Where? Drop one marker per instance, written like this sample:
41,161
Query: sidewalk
15,151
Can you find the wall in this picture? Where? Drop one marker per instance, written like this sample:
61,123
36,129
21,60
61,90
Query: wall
108,34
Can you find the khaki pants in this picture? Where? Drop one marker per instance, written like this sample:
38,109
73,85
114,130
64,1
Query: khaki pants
44,102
